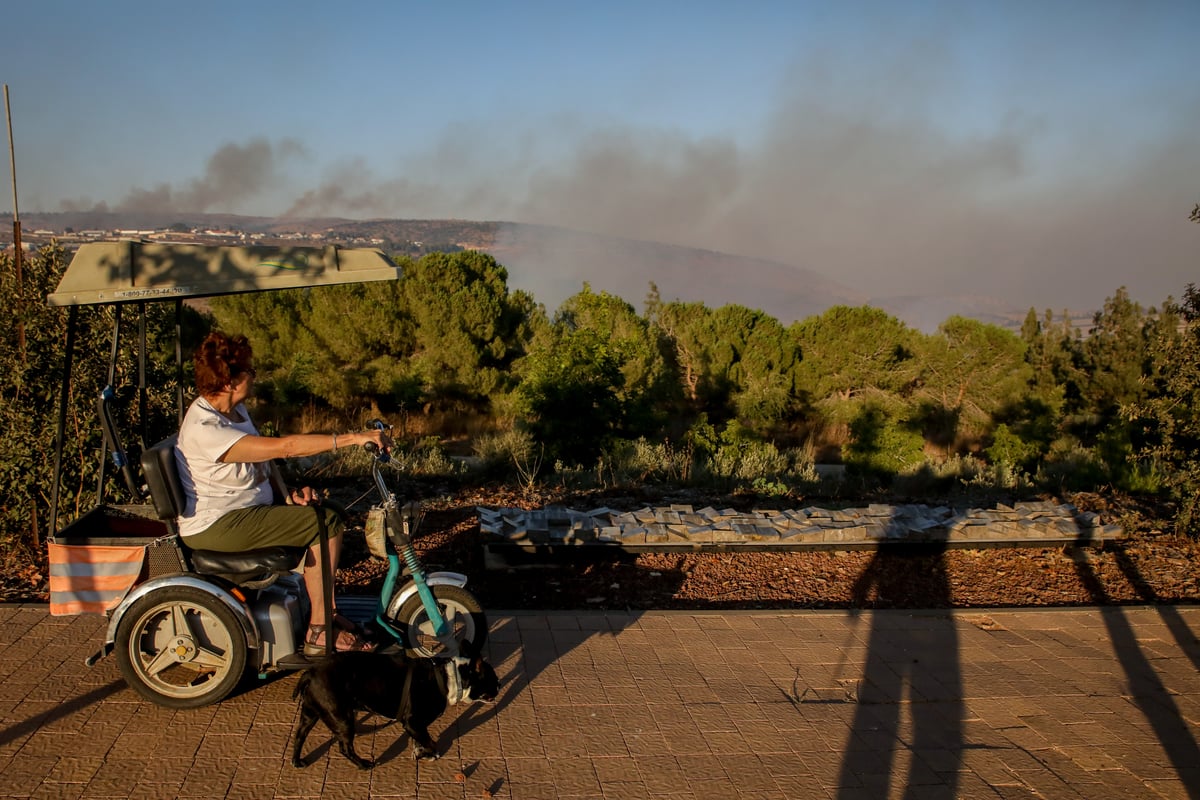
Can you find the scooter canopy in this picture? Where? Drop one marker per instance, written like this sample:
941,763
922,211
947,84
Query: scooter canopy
131,271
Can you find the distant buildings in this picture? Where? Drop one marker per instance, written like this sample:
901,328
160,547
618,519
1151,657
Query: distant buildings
71,239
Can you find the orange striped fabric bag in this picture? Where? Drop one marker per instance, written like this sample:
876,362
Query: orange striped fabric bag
91,579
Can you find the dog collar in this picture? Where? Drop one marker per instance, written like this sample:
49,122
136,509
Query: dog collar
454,685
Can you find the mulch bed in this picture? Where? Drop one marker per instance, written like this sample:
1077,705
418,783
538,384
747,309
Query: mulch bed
1150,566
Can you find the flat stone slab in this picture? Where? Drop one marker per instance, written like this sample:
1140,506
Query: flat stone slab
684,528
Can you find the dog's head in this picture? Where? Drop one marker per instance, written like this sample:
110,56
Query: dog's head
478,678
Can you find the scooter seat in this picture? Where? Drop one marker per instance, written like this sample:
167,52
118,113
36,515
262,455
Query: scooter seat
247,562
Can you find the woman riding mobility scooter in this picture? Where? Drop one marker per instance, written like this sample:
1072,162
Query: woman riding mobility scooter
187,625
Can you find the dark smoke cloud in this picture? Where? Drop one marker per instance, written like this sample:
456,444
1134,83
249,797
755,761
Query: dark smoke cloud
865,188
235,173
853,178
351,189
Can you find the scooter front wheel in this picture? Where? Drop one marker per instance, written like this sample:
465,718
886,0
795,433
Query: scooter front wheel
459,608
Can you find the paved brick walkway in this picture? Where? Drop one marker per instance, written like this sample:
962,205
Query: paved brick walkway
1080,703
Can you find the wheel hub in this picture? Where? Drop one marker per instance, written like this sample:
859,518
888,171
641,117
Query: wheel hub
184,648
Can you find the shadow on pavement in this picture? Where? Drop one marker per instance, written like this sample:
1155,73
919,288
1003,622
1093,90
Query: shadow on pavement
530,650
1184,636
1146,688
66,709
914,666
542,664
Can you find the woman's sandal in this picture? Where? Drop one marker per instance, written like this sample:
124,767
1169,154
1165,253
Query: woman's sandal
345,642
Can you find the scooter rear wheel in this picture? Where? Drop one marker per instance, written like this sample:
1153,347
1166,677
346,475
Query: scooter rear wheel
181,647
458,606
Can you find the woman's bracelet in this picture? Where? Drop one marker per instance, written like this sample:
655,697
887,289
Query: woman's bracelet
335,442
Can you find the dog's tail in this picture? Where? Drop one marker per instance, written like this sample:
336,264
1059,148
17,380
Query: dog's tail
302,684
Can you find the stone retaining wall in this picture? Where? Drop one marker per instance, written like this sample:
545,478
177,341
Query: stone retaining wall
680,527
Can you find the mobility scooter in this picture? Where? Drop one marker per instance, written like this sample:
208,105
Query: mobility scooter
188,625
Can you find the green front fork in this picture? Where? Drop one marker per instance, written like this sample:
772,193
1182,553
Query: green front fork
441,626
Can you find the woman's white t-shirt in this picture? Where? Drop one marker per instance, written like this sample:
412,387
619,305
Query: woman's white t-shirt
214,487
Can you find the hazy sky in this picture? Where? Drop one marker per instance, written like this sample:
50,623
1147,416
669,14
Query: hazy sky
1044,152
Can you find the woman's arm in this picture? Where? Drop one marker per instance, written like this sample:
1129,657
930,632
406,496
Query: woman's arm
293,497
257,449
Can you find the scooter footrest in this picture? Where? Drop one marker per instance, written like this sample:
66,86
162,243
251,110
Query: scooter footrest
295,661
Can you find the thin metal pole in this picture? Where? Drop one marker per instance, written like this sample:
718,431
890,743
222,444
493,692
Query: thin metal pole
142,389
72,318
179,361
12,163
112,383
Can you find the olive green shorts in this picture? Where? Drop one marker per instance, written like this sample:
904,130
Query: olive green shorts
267,526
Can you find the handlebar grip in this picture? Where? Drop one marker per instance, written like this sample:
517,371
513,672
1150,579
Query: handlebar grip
380,455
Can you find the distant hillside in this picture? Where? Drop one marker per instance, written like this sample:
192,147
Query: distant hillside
554,263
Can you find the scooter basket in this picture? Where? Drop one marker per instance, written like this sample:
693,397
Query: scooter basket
98,558
376,532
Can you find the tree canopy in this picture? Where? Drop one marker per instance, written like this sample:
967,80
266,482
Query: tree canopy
1116,402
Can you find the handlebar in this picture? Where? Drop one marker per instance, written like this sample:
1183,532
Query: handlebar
380,455
403,520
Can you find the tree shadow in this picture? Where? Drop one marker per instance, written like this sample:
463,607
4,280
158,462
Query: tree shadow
913,665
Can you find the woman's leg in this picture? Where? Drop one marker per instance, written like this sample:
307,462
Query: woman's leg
315,571
314,575
294,526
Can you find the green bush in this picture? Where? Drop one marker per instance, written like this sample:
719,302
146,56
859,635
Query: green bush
881,444
1009,449
960,473
640,460
1072,467
30,381
1145,477
758,461
569,396
505,453
760,466
426,458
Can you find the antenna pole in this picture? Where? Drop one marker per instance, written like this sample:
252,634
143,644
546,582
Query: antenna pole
12,163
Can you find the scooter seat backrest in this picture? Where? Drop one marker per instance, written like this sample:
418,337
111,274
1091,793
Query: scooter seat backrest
166,493
162,478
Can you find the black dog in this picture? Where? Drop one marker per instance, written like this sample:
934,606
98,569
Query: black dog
413,691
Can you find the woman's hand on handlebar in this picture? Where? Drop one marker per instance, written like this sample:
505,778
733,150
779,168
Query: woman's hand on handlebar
304,497
374,440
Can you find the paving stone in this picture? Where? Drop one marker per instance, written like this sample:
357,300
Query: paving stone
731,732
1026,523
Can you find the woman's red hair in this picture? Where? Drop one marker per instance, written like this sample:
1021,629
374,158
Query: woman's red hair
220,359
